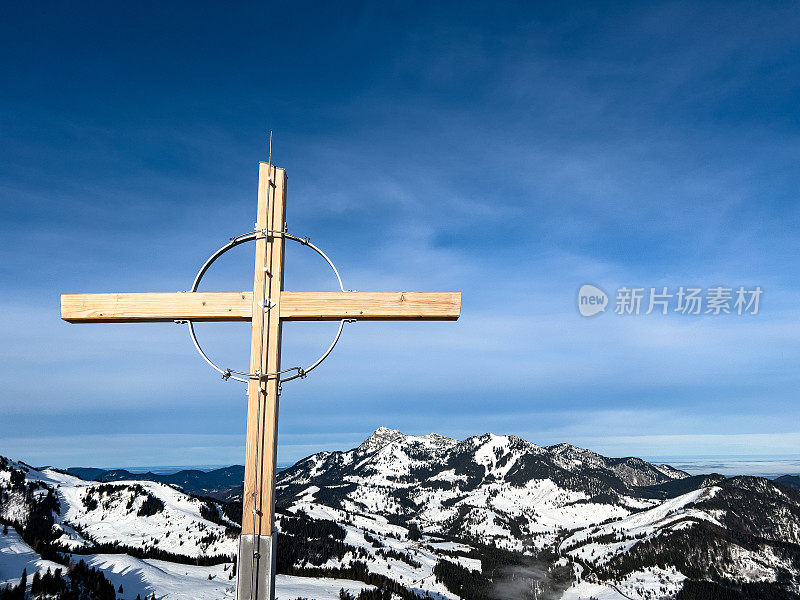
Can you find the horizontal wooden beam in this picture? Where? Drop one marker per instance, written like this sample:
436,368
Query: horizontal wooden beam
238,306
370,306
155,307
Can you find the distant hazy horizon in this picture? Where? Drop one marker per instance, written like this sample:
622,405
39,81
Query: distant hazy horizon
728,465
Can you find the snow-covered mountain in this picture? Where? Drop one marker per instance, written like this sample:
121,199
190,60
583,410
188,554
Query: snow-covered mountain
144,537
486,517
499,490
622,527
142,518
744,530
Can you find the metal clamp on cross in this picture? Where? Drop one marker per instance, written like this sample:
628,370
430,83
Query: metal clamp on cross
267,307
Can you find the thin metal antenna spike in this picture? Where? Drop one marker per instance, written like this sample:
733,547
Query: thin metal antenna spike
269,159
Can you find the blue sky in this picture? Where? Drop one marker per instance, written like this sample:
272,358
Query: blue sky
513,152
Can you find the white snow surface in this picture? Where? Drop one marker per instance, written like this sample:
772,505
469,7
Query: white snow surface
178,528
171,581
637,527
16,555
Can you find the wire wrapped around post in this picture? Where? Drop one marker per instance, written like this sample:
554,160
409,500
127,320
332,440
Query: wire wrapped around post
244,377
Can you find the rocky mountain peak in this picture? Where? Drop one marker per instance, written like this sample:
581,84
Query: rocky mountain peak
564,448
381,437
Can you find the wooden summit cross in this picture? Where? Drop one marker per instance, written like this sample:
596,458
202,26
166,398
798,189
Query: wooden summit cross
256,574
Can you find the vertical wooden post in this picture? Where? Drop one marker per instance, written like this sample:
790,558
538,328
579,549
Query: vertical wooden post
256,575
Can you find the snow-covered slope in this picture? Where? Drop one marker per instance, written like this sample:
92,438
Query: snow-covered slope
742,531
16,556
386,549
597,545
167,580
142,517
171,581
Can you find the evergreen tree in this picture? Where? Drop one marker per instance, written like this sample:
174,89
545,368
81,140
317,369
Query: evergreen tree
23,584
36,584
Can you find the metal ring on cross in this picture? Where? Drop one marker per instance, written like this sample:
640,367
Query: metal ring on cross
301,372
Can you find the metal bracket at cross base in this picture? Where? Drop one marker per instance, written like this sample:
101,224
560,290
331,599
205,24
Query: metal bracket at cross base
256,570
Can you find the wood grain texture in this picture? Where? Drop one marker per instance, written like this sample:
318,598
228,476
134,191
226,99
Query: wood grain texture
370,306
262,408
156,307
238,306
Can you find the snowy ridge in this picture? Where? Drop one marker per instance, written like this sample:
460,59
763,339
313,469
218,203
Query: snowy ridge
742,531
140,515
635,528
